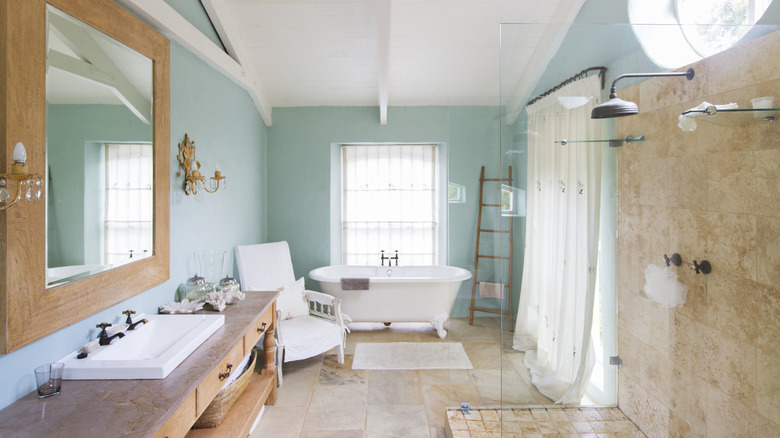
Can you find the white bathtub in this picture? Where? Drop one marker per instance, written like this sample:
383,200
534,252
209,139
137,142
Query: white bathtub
396,293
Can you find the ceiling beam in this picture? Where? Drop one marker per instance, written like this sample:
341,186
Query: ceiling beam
177,28
383,13
227,31
554,34
98,67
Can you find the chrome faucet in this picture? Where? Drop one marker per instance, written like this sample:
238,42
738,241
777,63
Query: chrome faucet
103,338
129,321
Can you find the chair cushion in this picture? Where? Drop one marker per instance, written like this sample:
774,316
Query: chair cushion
307,336
291,301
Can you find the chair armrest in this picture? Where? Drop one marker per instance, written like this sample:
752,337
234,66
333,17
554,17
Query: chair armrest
326,306
319,297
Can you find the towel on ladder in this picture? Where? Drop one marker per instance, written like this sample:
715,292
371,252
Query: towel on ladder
491,290
354,284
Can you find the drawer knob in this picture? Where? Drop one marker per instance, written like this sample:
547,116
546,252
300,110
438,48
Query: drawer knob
261,329
226,374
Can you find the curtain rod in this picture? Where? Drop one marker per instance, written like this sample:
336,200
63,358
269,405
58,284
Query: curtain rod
580,75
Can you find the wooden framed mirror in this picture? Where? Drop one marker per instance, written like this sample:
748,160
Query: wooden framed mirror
28,309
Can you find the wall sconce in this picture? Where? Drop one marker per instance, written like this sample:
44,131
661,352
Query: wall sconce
193,179
34,183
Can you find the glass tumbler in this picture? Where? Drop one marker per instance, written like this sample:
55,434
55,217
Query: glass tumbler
48,377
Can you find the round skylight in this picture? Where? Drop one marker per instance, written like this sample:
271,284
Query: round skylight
711,26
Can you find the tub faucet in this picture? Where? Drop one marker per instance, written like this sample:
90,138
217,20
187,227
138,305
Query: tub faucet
383,257
103,338
395,257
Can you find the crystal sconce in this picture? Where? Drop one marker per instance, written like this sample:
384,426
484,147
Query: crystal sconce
193,179
33,183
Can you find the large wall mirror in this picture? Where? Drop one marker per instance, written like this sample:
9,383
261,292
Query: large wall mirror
98,151
93,82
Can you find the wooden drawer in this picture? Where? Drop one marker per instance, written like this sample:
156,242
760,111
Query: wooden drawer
211,386
253,334
181,420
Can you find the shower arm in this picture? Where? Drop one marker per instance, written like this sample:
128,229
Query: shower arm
613,91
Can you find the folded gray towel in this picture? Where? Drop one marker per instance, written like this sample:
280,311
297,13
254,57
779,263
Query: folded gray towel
354,284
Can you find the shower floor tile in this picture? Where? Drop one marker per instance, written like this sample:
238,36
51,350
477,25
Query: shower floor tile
541,422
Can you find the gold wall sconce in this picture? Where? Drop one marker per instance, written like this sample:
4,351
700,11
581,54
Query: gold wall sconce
193,179
33,182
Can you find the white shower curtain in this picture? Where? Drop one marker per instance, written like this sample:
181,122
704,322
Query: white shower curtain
555,313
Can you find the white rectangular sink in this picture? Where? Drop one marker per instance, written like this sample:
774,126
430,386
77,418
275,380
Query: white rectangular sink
151,351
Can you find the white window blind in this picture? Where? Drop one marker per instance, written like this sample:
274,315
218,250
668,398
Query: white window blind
129,202
389,203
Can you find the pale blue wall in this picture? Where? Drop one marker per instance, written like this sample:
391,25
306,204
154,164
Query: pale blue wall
299,171
223,121
68,156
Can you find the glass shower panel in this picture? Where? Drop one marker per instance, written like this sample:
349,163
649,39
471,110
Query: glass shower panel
535,58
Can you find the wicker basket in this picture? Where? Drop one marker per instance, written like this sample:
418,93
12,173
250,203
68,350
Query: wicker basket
216,412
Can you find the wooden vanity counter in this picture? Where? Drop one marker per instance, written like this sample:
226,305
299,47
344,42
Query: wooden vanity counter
141,408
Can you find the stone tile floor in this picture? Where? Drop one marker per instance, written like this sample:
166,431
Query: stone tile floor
321,398
541,422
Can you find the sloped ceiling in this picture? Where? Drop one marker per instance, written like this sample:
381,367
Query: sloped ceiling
374,52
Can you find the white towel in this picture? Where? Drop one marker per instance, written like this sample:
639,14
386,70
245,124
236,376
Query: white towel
491,290
688,123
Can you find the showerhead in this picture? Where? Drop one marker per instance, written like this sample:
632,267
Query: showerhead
616,107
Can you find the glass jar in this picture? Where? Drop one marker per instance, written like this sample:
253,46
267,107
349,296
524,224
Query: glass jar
232,290
194,289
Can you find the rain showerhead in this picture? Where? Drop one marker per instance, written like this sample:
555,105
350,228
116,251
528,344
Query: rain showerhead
617,107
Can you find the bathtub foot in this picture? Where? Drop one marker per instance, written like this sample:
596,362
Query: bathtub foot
438,321
387,324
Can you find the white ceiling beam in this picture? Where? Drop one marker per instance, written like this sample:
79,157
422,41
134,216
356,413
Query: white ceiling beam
543,53
136,103
98,67
227,30
383,13
177,28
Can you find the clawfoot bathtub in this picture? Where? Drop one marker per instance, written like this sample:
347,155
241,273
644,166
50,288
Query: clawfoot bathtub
395,293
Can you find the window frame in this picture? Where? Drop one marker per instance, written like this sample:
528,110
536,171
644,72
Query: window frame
106,198
336,200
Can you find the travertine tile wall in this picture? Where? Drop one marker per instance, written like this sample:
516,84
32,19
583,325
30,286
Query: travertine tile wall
712,367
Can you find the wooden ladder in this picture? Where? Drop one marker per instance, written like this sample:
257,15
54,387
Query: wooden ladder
478,256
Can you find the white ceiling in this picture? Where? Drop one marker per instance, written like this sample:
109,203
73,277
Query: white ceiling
373,52
337,52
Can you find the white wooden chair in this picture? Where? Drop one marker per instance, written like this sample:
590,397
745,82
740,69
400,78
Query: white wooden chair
308,323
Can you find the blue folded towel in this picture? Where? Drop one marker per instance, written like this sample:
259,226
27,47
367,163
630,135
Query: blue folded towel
354,284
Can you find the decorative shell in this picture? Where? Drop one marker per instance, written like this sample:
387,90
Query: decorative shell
184,306
218,300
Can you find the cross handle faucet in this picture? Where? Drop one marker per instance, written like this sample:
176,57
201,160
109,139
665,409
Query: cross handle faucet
129,312
103,338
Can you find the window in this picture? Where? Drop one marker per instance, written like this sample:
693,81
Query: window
711,26
512,201
128,202
389,202
674,33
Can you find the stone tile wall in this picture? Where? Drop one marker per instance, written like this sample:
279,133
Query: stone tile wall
710,368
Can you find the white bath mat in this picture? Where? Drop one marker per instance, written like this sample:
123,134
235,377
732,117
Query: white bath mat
410,356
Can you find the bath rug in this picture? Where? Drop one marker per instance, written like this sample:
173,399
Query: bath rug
410,356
